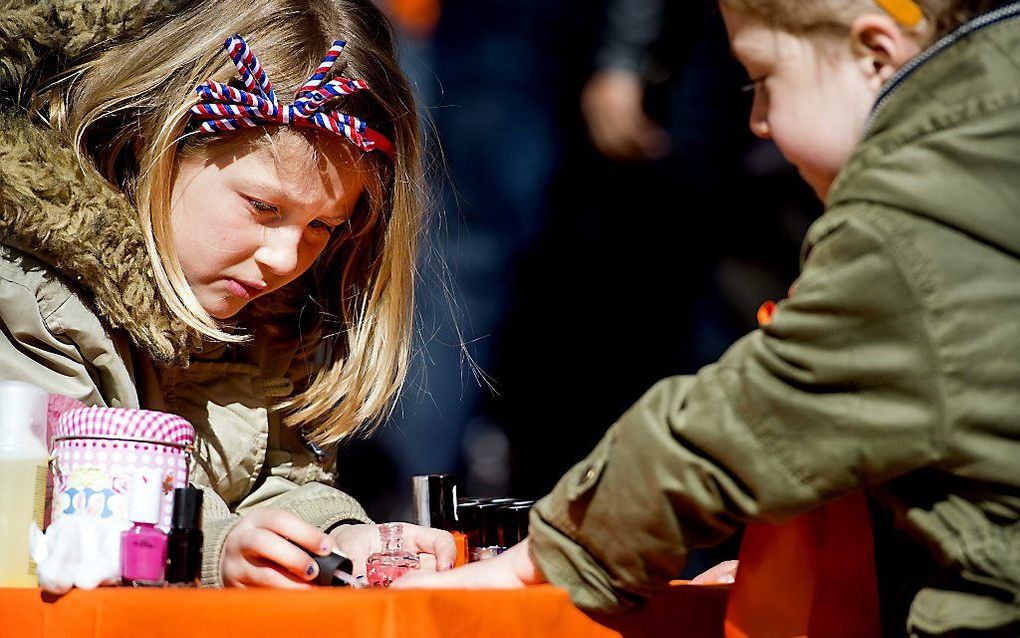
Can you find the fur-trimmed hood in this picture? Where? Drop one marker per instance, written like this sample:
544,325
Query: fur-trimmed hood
38,38
88,231
53,209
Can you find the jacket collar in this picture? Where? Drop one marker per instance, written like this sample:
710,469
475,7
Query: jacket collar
90,232
1010,11
943,138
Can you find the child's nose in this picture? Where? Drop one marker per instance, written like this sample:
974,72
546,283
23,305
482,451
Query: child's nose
279,251
759,116
760,126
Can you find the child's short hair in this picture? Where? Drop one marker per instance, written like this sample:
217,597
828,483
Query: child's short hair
805,17
125,110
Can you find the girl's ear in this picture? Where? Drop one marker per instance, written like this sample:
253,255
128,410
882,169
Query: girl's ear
880,46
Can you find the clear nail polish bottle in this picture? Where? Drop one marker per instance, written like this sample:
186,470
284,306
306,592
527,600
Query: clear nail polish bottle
384,567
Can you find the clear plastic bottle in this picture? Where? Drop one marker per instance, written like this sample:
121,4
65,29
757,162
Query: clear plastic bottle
23,472
393,561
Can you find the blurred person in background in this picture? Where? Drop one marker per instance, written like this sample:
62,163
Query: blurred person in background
554,281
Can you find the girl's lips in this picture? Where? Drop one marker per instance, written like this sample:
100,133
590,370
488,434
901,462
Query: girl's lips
242,289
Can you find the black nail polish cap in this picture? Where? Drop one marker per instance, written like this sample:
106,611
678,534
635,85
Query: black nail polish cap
337,561
187,508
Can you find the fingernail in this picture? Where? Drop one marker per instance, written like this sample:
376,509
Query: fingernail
446,566
324,549
310,570
727,579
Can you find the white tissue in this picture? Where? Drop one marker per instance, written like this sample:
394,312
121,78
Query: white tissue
77,551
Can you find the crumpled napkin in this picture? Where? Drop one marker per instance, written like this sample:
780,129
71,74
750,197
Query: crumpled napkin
77,551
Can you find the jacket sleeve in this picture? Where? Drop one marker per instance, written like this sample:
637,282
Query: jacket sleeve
840,390
631,28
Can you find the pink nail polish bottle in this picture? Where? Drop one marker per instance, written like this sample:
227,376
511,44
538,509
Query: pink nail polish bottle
384,567
143,547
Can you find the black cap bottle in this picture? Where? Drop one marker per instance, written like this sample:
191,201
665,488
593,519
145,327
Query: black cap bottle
184,545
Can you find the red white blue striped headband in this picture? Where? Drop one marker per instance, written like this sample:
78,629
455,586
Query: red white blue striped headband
224,108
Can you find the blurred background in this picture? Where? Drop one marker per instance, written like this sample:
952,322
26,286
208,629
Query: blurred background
604,219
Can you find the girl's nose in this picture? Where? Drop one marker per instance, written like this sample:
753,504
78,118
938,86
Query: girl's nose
279,251
759,120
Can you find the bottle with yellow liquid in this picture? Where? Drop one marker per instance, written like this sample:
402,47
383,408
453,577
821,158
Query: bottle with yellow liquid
23,468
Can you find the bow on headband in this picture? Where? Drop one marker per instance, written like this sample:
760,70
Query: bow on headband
224,108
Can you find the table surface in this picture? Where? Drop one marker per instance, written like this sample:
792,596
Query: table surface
681,610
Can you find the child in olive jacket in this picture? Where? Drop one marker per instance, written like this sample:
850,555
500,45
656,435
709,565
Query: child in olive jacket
894,366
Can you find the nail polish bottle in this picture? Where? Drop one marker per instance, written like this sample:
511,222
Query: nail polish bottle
467,522
489,516
435,505
143,547
513,526
184,545
384,567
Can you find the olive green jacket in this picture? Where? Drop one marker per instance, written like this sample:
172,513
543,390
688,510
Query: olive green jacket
80,314
893,367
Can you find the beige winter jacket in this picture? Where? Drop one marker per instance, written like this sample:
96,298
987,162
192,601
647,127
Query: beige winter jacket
80,314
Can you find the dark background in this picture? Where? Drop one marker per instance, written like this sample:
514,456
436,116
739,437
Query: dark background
577,281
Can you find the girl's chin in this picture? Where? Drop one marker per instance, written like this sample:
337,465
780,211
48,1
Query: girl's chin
224,308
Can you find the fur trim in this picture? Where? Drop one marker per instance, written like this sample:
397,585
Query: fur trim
34,35
88,231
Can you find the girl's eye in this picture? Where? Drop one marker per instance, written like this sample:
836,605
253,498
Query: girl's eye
320,226
262,208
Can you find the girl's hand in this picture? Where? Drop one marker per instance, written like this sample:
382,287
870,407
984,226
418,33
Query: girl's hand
436,546
512,569
262,551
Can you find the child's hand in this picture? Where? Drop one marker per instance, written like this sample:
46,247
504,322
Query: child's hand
360,541
512,569
257,552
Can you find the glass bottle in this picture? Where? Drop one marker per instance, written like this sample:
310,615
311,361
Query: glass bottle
435,505
393,561
143,547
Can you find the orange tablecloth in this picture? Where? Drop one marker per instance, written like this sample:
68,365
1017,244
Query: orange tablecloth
682,610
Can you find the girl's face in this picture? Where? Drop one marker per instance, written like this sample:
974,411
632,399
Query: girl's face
812,96
249,218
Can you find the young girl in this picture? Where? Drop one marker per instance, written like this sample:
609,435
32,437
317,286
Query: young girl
204,216
893,367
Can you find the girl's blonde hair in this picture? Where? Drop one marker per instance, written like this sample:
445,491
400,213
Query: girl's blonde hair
808,17
126,111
